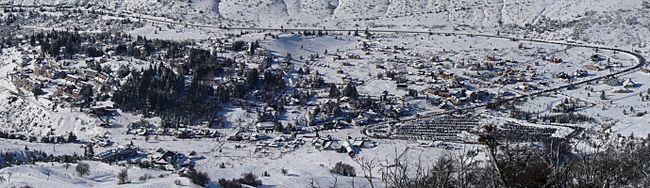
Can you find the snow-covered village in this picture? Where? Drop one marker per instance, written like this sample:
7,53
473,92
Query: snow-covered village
333,93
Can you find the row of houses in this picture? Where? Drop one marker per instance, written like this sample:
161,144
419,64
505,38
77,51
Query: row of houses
172,160
68,82
351,146
177,132
169,160
116,154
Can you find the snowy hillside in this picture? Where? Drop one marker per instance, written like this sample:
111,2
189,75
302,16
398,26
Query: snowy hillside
101,175
577,20
31,116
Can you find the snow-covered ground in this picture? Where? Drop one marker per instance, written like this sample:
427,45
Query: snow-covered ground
39,117
100,175
619,24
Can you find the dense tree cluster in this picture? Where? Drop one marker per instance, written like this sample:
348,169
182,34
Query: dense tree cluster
186,95
162,92
344,169
551,118
65,44
180,91
70,138
246,179
158,91
197,177
30,156
9,158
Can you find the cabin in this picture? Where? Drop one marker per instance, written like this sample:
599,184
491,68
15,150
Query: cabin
265,126
115,154
402,86
175,159
629,83
364,143
597,57
102,111
612,81
347,147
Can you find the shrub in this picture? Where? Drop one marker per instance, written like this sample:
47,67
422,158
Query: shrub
199,178
229,183
247,179
145,177
344,169
83,169
250,179
123,177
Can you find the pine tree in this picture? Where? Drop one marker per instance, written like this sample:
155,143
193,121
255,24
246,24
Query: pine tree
350,91
334,92
72,137
89,151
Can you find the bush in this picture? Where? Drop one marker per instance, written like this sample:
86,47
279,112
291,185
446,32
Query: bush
123,177
246,179
83,169
250,179
199,178
229,183
145,177
344,169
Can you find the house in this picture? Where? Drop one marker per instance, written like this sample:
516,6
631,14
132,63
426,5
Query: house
447,76
402,86
331,144
175,160
597,57
563,75
265,126
581,73
612,81
492,58
115,154
595,68
102,111
621,90
318,142
347,147
555,60
364,143
629,83
72,78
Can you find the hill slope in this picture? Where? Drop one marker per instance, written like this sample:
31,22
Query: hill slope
618,22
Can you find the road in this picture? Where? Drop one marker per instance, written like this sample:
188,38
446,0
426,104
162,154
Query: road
640,59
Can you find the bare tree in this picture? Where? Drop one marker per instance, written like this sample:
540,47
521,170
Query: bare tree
83,169
336,180
123,177
367,166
